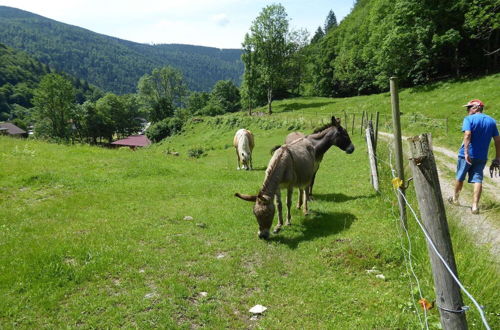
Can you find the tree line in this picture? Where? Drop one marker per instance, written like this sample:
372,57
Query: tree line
66,109
418,41
113,64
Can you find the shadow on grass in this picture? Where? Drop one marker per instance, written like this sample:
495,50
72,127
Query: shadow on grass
259,168
313,226
339,198
301,106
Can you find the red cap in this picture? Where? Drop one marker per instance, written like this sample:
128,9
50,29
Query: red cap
474,102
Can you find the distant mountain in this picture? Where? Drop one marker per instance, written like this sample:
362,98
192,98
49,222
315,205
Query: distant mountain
19,77
113,64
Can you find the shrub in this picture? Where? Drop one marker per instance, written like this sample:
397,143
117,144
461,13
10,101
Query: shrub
196,152
164,128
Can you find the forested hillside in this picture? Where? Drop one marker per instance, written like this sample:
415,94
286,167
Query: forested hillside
20,75
419,41
113,64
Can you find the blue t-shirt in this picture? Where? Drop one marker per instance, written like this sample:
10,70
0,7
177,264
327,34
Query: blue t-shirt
483,129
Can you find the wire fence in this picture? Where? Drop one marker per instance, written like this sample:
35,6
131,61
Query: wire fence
408,256
353,121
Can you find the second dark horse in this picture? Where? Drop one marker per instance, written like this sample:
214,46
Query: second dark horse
331,134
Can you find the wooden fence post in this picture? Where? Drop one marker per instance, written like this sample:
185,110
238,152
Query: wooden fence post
372,156
430,202
362,122
396,126
375,140
353,117
346,123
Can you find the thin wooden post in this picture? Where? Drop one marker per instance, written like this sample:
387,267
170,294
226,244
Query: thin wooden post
372,156
375,139
362,122
430,202
345,116
396,124
353,117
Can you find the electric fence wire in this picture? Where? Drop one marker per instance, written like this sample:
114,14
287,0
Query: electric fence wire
433,246
407,253
483,318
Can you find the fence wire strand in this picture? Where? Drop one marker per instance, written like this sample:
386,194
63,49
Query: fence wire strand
407,253
431,243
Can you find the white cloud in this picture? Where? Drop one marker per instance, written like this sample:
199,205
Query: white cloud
220,19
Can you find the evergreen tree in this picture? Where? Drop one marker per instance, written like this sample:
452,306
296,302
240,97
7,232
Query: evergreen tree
317,35
330,22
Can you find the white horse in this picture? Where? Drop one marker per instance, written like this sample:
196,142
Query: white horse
243,142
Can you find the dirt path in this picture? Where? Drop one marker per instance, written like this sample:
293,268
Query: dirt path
481,226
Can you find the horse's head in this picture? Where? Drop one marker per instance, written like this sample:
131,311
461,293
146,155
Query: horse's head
245,159
263,210
340,137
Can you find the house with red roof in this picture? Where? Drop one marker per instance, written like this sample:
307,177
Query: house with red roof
132,142
12,130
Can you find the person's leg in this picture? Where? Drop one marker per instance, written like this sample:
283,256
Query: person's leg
478,188
476,177
462,169
458,188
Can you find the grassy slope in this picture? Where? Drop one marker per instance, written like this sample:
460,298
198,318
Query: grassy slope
96,238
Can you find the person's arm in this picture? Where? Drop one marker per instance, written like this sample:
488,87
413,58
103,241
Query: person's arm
497,146
467,138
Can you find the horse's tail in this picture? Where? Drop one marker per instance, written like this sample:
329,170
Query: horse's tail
273,149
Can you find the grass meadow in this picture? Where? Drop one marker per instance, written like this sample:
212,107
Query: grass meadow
97,238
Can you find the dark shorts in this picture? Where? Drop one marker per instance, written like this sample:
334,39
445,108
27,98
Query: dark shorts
474,170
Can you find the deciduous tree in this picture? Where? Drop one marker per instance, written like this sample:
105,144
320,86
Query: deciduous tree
53,101
163,90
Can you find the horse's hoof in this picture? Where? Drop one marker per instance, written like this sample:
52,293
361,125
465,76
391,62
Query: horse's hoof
276,230
238,168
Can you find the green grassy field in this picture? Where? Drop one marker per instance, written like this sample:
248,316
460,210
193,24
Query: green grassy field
96,238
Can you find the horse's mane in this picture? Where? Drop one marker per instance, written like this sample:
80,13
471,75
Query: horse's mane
322,128
272,168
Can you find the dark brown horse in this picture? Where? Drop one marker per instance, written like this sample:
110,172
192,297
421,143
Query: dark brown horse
294,165
322,139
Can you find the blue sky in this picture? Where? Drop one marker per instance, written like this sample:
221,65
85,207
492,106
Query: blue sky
214,23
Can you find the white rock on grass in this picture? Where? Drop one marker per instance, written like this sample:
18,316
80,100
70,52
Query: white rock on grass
381,276
257,309
188,218
203,294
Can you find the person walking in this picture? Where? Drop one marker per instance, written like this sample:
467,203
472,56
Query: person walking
478,130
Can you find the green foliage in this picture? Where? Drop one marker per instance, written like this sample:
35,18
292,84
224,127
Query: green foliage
197,101
113,64
53,101
267,53
164,128
119,114
224,96
163,90
20,75
196,152
317,35
330,22
417,41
